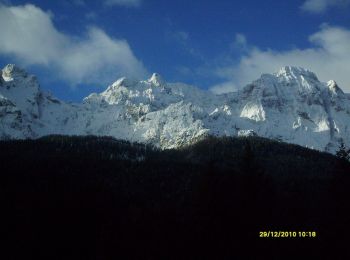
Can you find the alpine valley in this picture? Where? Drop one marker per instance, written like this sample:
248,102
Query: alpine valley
291,105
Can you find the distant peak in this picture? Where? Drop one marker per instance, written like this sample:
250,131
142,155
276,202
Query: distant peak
125,82
332,84
291,69
156,80
120,81
295,72
11,72
334,88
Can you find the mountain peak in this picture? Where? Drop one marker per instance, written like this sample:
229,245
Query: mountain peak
332,84
293,72
120,82
124,81
11,72
334,88
290,105
156,80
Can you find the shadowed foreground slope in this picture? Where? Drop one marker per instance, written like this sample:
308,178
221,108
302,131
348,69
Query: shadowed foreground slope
99,198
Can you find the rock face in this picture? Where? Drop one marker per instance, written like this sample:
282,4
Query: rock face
291,105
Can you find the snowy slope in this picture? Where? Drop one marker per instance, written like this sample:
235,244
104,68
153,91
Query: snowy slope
291,105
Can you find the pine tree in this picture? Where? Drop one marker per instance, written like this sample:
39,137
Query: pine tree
343,153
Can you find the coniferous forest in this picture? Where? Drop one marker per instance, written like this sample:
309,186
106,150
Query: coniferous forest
100,198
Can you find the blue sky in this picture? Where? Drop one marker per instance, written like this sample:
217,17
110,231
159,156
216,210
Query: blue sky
80,46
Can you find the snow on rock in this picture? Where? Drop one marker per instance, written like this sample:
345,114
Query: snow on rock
291,105
12,72
156,80
246,133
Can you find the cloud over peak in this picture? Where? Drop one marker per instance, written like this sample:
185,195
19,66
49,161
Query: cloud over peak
328,57
29,35
321,6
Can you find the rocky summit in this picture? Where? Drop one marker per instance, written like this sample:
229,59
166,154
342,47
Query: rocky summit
291,105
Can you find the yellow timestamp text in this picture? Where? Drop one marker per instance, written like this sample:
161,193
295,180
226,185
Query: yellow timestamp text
287,234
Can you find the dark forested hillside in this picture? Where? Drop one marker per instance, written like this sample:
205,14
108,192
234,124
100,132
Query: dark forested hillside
100,198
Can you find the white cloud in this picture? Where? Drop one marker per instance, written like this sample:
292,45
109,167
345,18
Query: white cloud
320,6
329,58
228,86
91,15
127,3
79,2
179,36
29,35
240,42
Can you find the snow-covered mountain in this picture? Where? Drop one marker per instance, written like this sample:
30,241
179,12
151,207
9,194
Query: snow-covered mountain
291,105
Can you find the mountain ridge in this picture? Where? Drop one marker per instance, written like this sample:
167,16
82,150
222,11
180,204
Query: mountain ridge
291,105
